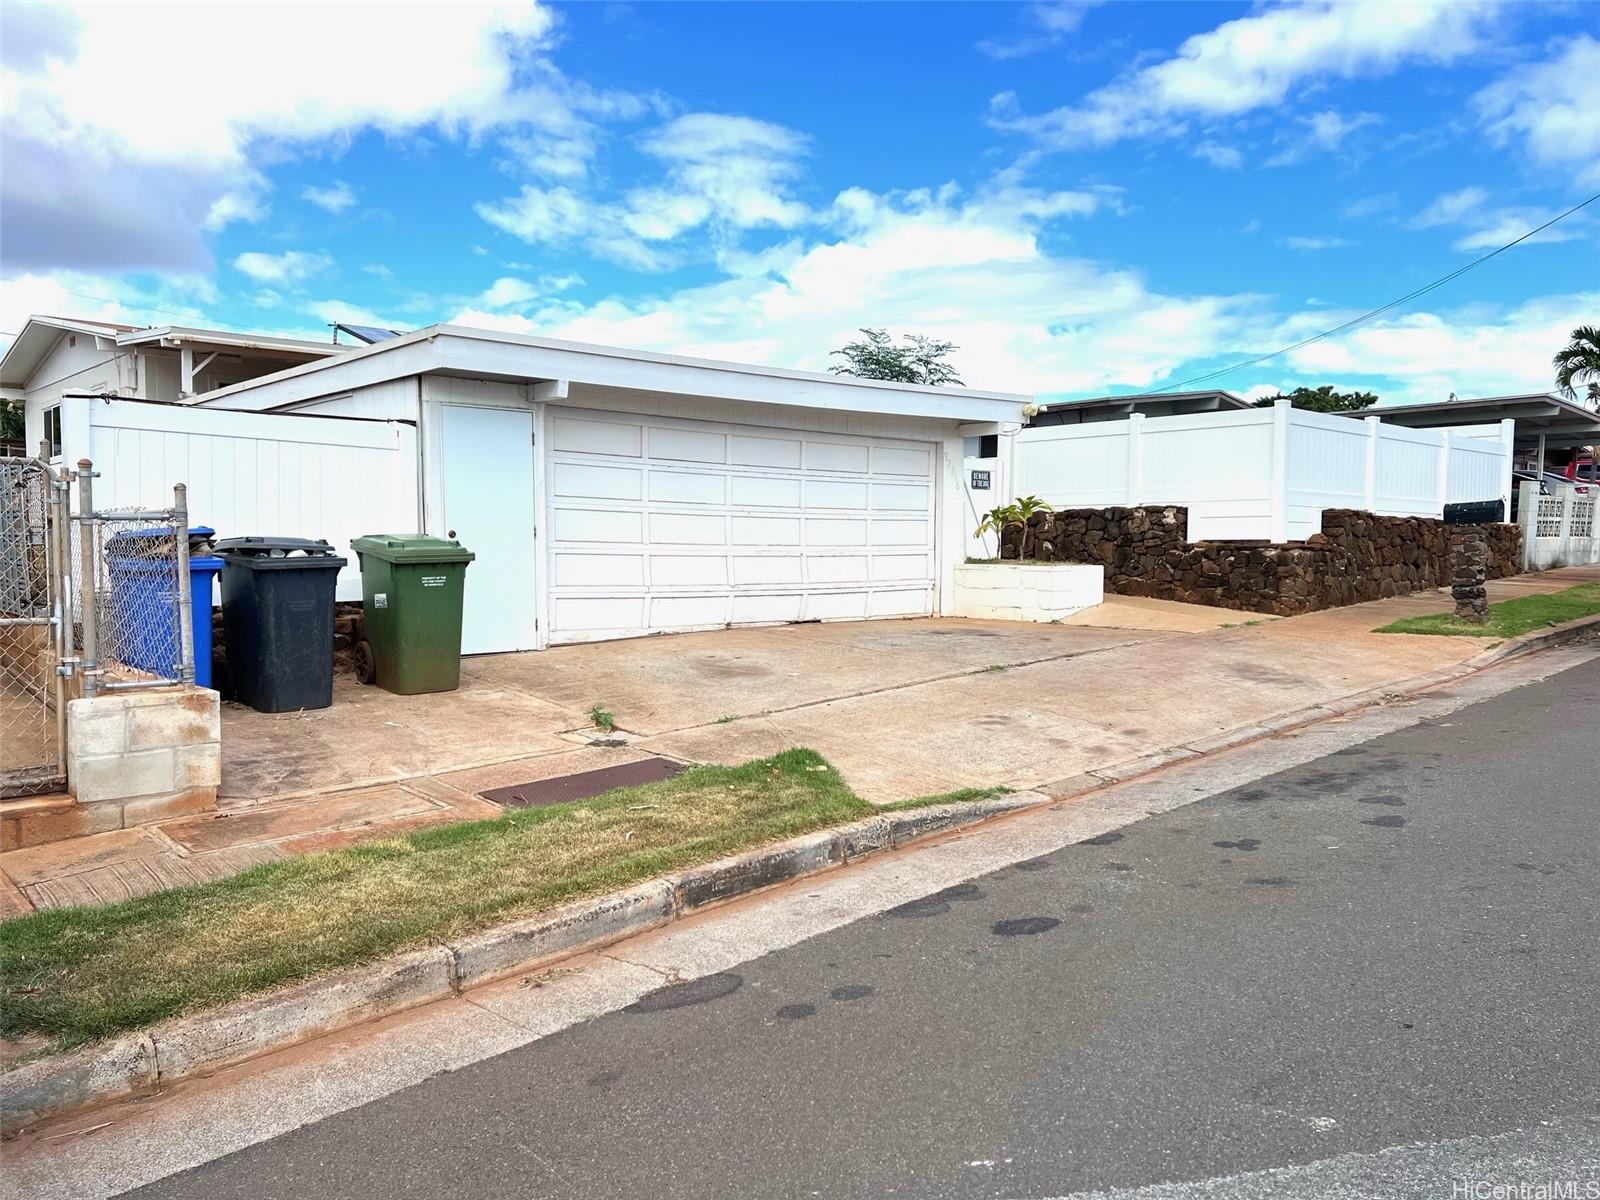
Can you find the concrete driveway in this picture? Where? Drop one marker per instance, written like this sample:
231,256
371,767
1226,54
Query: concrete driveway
903,708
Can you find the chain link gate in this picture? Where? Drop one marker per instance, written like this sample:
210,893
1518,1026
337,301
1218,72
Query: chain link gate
35,627
90,601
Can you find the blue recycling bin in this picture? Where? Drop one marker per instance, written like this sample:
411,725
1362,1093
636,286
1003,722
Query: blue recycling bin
143,599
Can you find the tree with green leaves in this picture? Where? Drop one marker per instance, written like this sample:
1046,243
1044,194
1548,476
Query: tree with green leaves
1323,399
11,426
914,359
1578,364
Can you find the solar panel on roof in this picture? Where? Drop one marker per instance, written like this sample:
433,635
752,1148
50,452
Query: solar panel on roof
368,333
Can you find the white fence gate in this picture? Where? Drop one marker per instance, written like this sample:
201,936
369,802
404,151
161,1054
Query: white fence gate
276,474
1263,473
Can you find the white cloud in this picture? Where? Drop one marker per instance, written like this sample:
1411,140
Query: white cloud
1047,25
292,266
1320,133
719,172
1227,158
969,268
1450,207
104,91
1551,107
1490,227
1426,356
1314,243
1370,206
1254,62
508,292
333,199
175,300
338,311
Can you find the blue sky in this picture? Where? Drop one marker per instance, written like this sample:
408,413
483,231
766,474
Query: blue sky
1084,197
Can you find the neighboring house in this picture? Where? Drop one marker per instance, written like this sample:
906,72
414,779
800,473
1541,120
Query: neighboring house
1118,408
53,356
1550,429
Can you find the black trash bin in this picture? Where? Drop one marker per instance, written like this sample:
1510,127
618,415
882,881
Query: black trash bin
277,621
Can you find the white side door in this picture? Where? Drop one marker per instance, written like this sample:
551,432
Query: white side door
487,459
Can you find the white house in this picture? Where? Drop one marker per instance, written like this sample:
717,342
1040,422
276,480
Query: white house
52,357
610,493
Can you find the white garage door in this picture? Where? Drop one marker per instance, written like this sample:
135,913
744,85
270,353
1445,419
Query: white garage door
660,525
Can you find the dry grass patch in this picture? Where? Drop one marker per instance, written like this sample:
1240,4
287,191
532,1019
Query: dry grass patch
78,974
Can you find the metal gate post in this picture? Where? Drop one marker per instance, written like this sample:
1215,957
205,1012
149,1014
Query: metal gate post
180,517
87,532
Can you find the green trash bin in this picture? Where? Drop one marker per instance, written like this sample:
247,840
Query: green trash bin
411,589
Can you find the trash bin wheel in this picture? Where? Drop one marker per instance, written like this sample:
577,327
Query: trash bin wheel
366,662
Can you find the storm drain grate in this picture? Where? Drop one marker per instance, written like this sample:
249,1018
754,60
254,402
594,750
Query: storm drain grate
565,788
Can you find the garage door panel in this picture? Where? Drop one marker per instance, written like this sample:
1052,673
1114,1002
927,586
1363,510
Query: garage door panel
912,602
598,525
597,437
757,609
687,445
688,612
833,493
588,481
712,523
838,456
900,533
687,529
910,496
836,568
575,569
900,567
586,617
750,570
764,491
766,531
836,606
748,451
836,531
688,570
688,487
902,460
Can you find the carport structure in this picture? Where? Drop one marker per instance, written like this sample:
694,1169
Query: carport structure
611,493
1545,421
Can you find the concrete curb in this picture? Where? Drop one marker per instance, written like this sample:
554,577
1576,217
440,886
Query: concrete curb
246,1029
1539,639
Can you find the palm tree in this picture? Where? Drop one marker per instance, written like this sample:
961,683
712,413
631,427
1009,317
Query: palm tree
1579,363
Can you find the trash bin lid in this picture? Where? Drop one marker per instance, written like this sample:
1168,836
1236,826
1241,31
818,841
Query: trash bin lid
411,547
278,553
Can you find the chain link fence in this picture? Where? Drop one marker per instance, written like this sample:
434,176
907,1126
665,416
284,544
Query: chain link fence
140,596
31,541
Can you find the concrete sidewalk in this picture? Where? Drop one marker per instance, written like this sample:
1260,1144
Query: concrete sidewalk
902,708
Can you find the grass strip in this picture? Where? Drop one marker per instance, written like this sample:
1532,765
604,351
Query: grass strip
1510,618
77,974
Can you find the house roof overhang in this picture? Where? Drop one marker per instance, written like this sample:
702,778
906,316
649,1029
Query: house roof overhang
1562,423
1178,402
38,337
493,355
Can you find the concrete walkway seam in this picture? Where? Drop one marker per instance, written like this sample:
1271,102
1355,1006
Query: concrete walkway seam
245,1029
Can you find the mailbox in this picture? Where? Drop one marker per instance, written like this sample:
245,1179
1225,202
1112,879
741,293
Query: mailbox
1475,512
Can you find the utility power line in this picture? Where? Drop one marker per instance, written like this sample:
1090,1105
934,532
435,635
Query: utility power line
1366,316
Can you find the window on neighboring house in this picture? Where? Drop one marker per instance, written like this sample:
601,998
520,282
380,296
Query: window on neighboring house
52,430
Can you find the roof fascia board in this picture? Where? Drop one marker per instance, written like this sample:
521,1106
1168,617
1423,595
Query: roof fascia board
327,377
517,360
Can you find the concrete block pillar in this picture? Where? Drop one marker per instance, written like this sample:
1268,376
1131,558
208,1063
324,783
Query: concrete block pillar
140,756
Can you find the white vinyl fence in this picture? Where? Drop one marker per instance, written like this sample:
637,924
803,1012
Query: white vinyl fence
1264,473
271,474
1558,530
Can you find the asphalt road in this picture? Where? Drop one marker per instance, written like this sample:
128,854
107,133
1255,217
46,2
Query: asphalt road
1376,974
